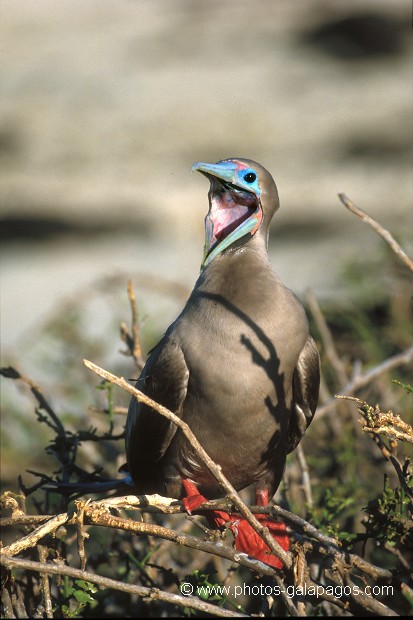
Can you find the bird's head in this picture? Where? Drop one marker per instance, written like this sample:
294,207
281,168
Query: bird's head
242,200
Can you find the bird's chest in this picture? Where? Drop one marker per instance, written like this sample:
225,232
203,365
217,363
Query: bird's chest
241,347
241,363
244,339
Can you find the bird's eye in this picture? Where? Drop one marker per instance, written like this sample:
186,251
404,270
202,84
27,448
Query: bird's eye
250,177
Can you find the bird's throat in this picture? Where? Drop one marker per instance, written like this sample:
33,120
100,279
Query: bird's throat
233,213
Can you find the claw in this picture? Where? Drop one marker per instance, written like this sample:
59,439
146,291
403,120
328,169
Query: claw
246,538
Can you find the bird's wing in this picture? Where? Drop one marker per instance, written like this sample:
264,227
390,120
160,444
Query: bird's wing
306,382
165,380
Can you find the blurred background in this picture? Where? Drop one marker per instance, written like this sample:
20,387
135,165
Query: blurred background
104,107
106,104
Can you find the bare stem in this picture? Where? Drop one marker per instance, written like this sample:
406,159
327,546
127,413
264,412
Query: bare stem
378,228
151,593
361,380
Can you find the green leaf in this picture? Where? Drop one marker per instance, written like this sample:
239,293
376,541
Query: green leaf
86,585
83,597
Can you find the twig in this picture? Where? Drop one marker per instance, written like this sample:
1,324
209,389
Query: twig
209,463
394,461
19,603
137,349
96,513
133,342
34,537
7,604
81,534
385,234
364,602
12,373
375,421
398,554
56,424
44,580
8,500
367,413
288,601
300,573
329,546
104,582
361,380
327,339
23,520
305,476
117,410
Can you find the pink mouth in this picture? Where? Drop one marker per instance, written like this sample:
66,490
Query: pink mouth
228,219
228,209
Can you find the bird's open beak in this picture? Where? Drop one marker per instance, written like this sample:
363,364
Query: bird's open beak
234,210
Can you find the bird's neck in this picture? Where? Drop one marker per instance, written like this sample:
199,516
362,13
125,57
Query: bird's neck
237,267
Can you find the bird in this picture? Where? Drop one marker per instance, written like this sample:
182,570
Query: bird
238,364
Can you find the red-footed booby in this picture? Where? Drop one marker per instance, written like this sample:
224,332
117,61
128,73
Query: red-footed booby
238,364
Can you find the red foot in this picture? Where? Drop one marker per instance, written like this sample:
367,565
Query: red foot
261,497
246,538
192,501
248,541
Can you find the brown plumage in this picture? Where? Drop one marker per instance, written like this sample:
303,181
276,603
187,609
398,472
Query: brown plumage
238,364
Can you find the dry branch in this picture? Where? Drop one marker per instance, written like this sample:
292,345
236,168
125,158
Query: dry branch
361,380
370,416
98,513
375,421
133,340
104,582
327,339
378,228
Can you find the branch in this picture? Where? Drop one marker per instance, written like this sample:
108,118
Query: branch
165,505
12,373
361,380
45,585
34,537
306,481
388,237
215,469
104,582
65,456
327,338
388,455
97,513
133,342
375,421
